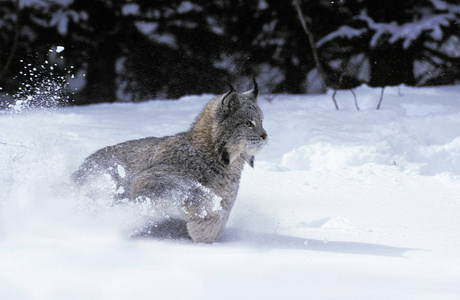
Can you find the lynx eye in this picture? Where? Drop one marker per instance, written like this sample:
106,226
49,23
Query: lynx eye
250,124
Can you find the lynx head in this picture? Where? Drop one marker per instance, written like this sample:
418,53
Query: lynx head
231,126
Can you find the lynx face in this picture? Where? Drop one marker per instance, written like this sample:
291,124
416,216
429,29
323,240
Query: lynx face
242,121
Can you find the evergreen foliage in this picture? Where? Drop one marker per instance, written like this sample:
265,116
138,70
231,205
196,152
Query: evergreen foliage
134,50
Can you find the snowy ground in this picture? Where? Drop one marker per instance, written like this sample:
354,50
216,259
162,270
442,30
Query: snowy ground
341,205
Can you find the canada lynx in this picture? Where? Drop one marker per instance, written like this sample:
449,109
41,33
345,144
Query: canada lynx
192,176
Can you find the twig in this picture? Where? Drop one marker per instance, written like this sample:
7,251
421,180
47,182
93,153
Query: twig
311,42
381,98
335,91
356,100
334,100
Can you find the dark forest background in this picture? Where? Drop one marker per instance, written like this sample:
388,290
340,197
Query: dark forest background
134,50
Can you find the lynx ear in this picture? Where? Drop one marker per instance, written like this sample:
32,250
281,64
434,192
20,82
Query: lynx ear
230,101
254,93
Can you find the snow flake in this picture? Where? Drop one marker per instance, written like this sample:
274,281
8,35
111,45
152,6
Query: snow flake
216,203
120,190
121,171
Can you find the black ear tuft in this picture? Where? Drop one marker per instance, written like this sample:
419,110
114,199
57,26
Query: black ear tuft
255,90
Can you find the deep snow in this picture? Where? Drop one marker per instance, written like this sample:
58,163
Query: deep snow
341,204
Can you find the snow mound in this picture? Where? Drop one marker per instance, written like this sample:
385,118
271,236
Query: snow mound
415,136
326,156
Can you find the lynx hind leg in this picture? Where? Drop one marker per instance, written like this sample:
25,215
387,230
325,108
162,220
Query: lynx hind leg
98,181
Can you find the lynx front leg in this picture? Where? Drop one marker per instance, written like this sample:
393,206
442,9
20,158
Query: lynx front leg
198,205
205,230
205,215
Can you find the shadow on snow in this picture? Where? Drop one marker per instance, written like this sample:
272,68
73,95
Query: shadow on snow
176,230
270,241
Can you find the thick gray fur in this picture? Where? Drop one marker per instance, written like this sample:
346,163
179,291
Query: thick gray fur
193,175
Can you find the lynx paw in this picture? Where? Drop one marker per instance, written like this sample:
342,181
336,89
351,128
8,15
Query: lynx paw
206,230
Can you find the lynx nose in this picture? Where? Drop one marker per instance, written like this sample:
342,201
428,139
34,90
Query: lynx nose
263,135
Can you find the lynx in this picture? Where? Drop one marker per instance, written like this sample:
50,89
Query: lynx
192,176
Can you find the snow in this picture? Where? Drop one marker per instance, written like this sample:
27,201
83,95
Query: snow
130,9
340,205
121,171
344,32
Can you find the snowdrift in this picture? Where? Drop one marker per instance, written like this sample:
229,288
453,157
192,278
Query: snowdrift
341,204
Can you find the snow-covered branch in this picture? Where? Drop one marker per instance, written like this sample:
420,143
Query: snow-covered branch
424,22
344,32
408,32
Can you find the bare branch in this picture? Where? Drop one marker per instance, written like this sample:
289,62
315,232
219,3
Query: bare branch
356,100
311,42
334,100
381,98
